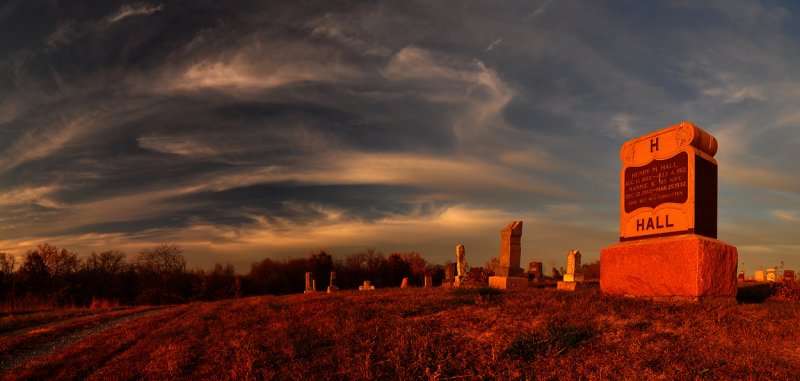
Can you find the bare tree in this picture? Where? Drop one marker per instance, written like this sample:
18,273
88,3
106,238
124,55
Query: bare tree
7,264
59,262
491,264
164,260
110,262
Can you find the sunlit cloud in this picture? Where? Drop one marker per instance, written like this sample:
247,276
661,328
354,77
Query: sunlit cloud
41,143
253,130
130,10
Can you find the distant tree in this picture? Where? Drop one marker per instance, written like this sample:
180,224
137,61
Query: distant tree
396,269
162,269
7,285
556,274
33,274
111,262
591,270
59,262
417,265
320,264
51,273
491,265
103,275
165,260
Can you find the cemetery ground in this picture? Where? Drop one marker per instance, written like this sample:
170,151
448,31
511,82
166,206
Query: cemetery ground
414,333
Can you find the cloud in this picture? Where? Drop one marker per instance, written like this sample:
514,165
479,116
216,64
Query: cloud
131,10
493,44
321,125
183,146
786,215
471,84
41,143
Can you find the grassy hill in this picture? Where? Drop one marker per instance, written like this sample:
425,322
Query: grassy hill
440,334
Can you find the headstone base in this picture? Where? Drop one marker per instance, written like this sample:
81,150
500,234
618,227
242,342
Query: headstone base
683,266
309,291
567,285
506,282
509,271
573,277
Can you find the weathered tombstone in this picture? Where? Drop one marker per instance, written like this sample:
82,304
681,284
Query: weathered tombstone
740,278
772,275
788,276
760,276
572,276
508,274
428,281
573,273
461,264
535,271
332,287
404,284
668,220
309,284
449,274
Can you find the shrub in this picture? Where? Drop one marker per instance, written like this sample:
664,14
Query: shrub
787,291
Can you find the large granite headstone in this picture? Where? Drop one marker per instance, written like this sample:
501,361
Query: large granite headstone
668,220
508,274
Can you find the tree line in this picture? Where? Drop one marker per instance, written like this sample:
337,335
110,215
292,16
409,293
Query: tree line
52,276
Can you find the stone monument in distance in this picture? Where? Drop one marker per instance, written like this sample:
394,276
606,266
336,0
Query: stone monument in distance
332,286
668,220
508,274
573,274
309,284
461,264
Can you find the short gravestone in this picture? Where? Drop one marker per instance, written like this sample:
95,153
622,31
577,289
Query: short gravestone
449,275
535,271
332,287
668,220
740,278
759,276
573,274
508,274
772,275
309,284
367,286
428,281
404,283
788,276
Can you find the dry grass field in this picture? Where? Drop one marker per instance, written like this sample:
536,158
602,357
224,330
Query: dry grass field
435,333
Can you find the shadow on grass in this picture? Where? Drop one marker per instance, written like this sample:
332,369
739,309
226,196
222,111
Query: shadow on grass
557,339
754,293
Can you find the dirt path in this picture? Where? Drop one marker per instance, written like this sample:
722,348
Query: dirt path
67,340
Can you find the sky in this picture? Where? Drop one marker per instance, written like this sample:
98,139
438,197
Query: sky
243,130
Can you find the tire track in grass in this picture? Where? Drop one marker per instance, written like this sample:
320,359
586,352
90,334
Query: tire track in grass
67,340
32,338
123,348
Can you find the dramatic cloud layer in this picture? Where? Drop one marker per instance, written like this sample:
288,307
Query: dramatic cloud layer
242,130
